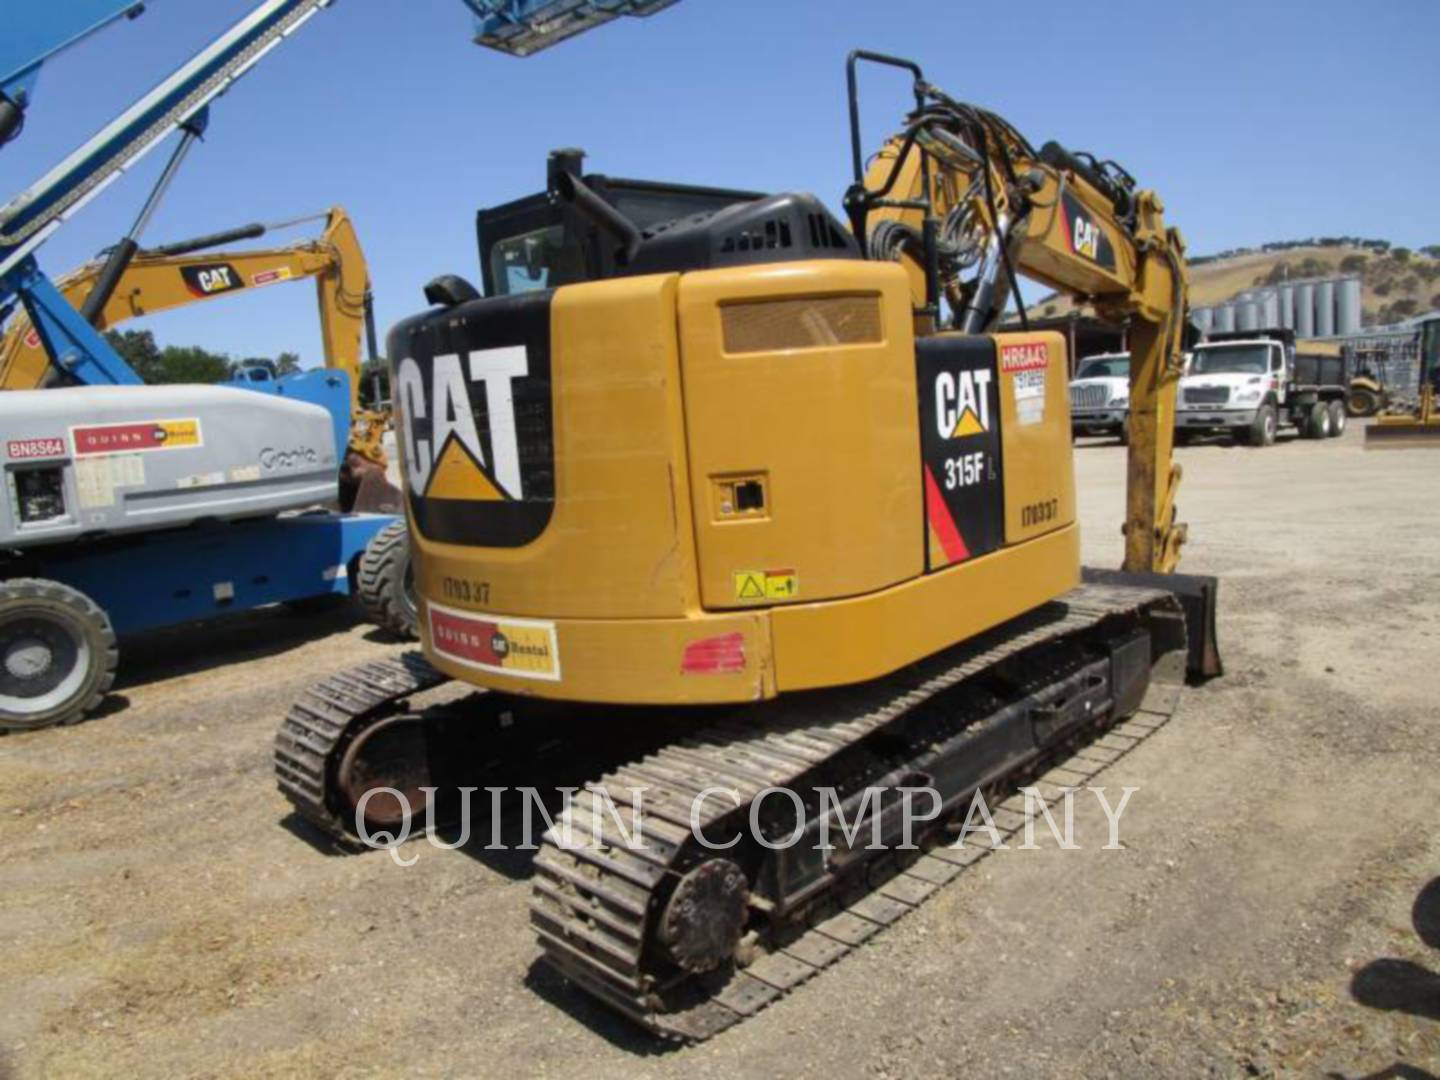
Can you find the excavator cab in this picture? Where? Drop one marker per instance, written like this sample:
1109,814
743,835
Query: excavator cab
542,241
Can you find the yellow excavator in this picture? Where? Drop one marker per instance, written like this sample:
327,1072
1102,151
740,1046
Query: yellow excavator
709,460
176,275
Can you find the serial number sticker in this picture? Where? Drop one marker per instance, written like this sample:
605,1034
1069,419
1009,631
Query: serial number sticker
523,648
24,449
766,585
1029,389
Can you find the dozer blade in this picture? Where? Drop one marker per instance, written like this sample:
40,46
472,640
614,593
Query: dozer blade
1400,434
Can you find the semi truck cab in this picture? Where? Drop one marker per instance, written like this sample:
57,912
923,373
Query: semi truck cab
1100,396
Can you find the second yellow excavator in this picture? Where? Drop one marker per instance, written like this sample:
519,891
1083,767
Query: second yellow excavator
176,275
708,459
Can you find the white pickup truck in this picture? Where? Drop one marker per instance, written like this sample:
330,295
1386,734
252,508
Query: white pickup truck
1100,396
1251,383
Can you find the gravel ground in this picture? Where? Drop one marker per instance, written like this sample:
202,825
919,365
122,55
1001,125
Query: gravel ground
1267,913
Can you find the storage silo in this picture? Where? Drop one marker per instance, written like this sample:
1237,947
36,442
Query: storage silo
1305,310
1224,321
1347,306
1287,306
1203,318
1247,316
1270,310
1325,309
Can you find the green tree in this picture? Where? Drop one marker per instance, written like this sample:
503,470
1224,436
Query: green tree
192,364
1400,254
1353,264
138,349
287,363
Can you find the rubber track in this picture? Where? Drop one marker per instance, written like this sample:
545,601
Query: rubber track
331,711
592,905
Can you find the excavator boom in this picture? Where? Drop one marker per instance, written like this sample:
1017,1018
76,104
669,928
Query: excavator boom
179,275
966,203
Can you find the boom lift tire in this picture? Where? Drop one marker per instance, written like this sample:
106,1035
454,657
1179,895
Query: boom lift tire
386,587
1318,422
1262,429
57,654
1337,419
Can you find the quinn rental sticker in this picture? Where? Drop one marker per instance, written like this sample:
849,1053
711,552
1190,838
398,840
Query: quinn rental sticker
136,437
524,648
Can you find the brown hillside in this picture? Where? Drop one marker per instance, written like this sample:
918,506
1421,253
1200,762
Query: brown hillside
1393,288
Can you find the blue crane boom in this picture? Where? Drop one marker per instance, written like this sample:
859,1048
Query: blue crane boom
181,101
29,42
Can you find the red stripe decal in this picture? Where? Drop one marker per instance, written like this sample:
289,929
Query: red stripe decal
723,654
942,522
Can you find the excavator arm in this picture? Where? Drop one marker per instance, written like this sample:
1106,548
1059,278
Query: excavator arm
966,204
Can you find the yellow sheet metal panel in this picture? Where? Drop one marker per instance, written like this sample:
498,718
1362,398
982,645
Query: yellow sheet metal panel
619,544
804,449
1035,424
743,656
851,641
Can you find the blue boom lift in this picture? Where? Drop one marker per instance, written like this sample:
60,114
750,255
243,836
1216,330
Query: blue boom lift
128,507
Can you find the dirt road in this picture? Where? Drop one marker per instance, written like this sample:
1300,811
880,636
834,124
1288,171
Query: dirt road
1264,914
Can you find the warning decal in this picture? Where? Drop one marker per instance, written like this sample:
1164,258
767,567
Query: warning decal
97,477
766,585
131,438
524,648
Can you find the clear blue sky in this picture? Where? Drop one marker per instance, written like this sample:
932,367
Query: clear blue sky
1254,120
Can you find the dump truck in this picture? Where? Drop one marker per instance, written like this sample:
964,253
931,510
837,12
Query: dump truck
1250,384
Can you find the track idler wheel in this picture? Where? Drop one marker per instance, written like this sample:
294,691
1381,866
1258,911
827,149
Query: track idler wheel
394,753
703,921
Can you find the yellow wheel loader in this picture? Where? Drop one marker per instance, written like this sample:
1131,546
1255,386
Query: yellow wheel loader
709,459
1421,427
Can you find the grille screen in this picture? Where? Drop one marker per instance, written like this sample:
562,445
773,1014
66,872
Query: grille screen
1207,395
812,322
